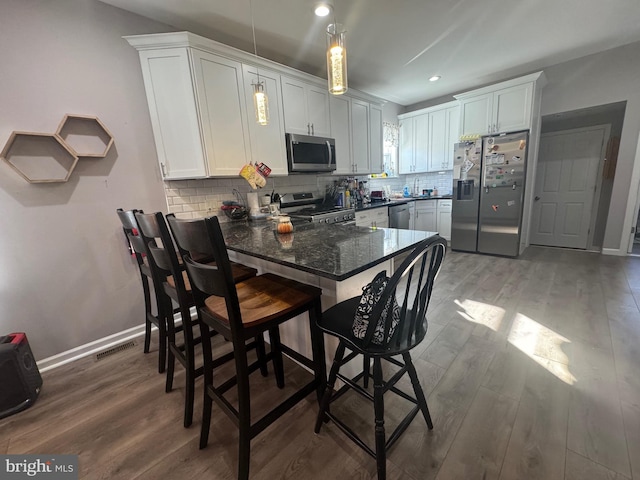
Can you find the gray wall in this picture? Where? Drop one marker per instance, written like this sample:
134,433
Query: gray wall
65,275
600,79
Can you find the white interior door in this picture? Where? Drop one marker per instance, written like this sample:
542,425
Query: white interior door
565,186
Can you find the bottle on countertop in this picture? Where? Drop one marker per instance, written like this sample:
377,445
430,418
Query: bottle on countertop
347,198
435,191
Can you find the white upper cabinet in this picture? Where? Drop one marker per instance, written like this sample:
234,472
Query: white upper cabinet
173,111
505,107
360,136
453,135
427,137
200,98
438,140
223,112
414,143
356,126
476,114
306,108
267,141
405,162
340,106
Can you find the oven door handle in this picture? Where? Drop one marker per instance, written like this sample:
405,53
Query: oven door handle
330,153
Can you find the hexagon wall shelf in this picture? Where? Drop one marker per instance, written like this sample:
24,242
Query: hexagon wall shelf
51,157
39,157
85,135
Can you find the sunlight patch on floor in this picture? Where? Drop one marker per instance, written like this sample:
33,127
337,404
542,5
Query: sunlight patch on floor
482,313
542,345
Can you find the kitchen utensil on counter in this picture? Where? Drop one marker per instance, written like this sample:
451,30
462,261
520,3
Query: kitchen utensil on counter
235,209
378,196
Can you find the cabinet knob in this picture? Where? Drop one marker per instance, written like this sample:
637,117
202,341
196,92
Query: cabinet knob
312,130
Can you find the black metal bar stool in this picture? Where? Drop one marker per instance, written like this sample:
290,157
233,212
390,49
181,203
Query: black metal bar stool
397,322
240,312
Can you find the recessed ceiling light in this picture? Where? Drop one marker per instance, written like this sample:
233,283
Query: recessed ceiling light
435,78
322,9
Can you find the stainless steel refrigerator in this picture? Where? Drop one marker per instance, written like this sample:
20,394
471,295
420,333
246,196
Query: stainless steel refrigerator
488,193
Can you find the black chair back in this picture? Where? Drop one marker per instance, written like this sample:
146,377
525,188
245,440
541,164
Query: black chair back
411,285
152,227
203,238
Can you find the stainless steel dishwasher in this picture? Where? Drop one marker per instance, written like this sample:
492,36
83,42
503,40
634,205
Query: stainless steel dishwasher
399,216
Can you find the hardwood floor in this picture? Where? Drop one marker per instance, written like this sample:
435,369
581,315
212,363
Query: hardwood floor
530,368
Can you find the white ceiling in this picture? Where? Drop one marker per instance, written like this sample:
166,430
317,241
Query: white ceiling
395,46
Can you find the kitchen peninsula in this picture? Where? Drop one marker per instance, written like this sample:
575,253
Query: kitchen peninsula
338,258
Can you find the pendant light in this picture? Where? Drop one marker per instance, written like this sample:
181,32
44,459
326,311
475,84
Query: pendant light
260,99
336,58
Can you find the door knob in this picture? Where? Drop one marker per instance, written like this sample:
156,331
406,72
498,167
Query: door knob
537,198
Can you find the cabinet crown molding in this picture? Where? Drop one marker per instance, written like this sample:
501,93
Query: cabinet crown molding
539,78
434,108
156,41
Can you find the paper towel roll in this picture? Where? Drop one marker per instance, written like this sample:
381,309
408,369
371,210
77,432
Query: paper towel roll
252,200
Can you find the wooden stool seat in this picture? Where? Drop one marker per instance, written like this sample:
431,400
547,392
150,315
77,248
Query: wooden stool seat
264,298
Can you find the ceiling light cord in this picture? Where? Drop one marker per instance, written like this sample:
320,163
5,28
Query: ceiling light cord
253,33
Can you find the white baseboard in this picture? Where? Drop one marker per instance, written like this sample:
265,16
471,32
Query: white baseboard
90,348
101,344
614,251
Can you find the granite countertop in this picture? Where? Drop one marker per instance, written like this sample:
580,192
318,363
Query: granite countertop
400,201
334,251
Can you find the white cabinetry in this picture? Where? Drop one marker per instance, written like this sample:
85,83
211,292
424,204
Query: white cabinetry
173,111
413,143
505,107
340,107
426,215
360,136
306,108
223,112
356,125
373,217
443,221
434,216
201,108
427,137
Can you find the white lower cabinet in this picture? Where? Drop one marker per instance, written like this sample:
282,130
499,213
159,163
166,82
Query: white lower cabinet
373,217
444,218
426,216
434,216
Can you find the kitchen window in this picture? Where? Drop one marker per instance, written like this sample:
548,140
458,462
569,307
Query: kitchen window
390,134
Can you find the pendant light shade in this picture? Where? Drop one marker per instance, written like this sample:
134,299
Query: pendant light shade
260,103
336,59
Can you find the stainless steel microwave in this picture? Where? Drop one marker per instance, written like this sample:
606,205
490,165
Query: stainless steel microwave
310,154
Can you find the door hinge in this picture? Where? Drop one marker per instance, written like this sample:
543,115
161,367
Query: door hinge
633,230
